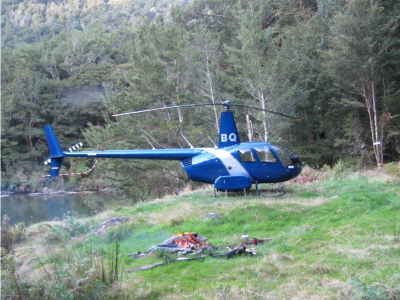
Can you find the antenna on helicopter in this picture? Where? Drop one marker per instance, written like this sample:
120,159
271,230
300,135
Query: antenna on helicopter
149,142
191,146
215,146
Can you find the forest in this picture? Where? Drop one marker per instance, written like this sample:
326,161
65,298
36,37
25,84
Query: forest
74,63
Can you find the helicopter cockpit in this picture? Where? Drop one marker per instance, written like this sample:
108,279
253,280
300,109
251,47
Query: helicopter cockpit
265,155
286,155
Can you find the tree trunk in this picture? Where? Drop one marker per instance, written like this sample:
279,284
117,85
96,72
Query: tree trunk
264,121
379,148
249,128
374,125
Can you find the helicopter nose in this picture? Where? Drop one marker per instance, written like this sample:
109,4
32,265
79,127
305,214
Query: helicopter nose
294,170
295,159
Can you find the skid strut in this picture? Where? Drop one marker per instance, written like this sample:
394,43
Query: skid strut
281,192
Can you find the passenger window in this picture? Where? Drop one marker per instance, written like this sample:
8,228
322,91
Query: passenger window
246,155
265,154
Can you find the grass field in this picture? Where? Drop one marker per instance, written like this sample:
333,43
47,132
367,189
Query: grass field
335,236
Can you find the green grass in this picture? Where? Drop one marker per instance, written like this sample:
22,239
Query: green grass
337,238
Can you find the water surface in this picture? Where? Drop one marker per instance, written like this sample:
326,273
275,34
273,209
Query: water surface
36,208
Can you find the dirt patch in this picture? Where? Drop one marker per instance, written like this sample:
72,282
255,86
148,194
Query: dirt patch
173,216
357,253
302,180
306,177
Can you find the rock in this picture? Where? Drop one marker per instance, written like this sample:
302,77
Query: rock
46,190
213,216
107,190
103,227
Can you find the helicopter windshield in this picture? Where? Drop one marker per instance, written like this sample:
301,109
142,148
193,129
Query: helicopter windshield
265,154
284,154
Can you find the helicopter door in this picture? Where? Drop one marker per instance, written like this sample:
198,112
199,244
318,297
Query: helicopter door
271,170
265,155
248,161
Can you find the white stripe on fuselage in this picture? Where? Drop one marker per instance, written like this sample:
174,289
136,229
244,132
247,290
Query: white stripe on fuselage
229,161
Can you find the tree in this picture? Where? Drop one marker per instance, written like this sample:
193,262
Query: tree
360,37
206,59
256,68
162,67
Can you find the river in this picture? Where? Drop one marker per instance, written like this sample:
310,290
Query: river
30,208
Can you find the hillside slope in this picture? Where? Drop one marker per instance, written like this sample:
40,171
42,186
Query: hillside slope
337,237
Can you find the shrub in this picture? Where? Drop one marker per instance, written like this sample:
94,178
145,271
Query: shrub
120,232
76,226
342,168
360,290
11,234
73,226
392,169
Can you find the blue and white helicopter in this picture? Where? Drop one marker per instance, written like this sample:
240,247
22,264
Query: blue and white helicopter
232,166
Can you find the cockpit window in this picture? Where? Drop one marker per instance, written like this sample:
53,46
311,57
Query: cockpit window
265,154
246,155
284,154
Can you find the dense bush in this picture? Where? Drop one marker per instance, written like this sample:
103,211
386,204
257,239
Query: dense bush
11,234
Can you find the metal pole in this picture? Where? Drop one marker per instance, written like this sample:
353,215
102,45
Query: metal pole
257,187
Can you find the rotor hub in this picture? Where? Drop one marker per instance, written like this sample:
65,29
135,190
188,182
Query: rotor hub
227,105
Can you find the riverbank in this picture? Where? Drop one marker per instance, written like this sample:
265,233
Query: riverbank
335,234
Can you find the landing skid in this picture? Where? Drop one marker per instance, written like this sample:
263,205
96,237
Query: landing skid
272,193
268,193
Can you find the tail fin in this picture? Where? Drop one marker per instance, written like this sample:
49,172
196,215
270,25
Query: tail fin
56,153
228,133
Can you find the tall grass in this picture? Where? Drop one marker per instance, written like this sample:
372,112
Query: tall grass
67,273
77,275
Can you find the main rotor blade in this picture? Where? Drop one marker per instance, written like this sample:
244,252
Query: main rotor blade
163,108
270,111
226,104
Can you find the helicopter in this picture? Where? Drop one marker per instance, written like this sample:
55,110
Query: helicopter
230,166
